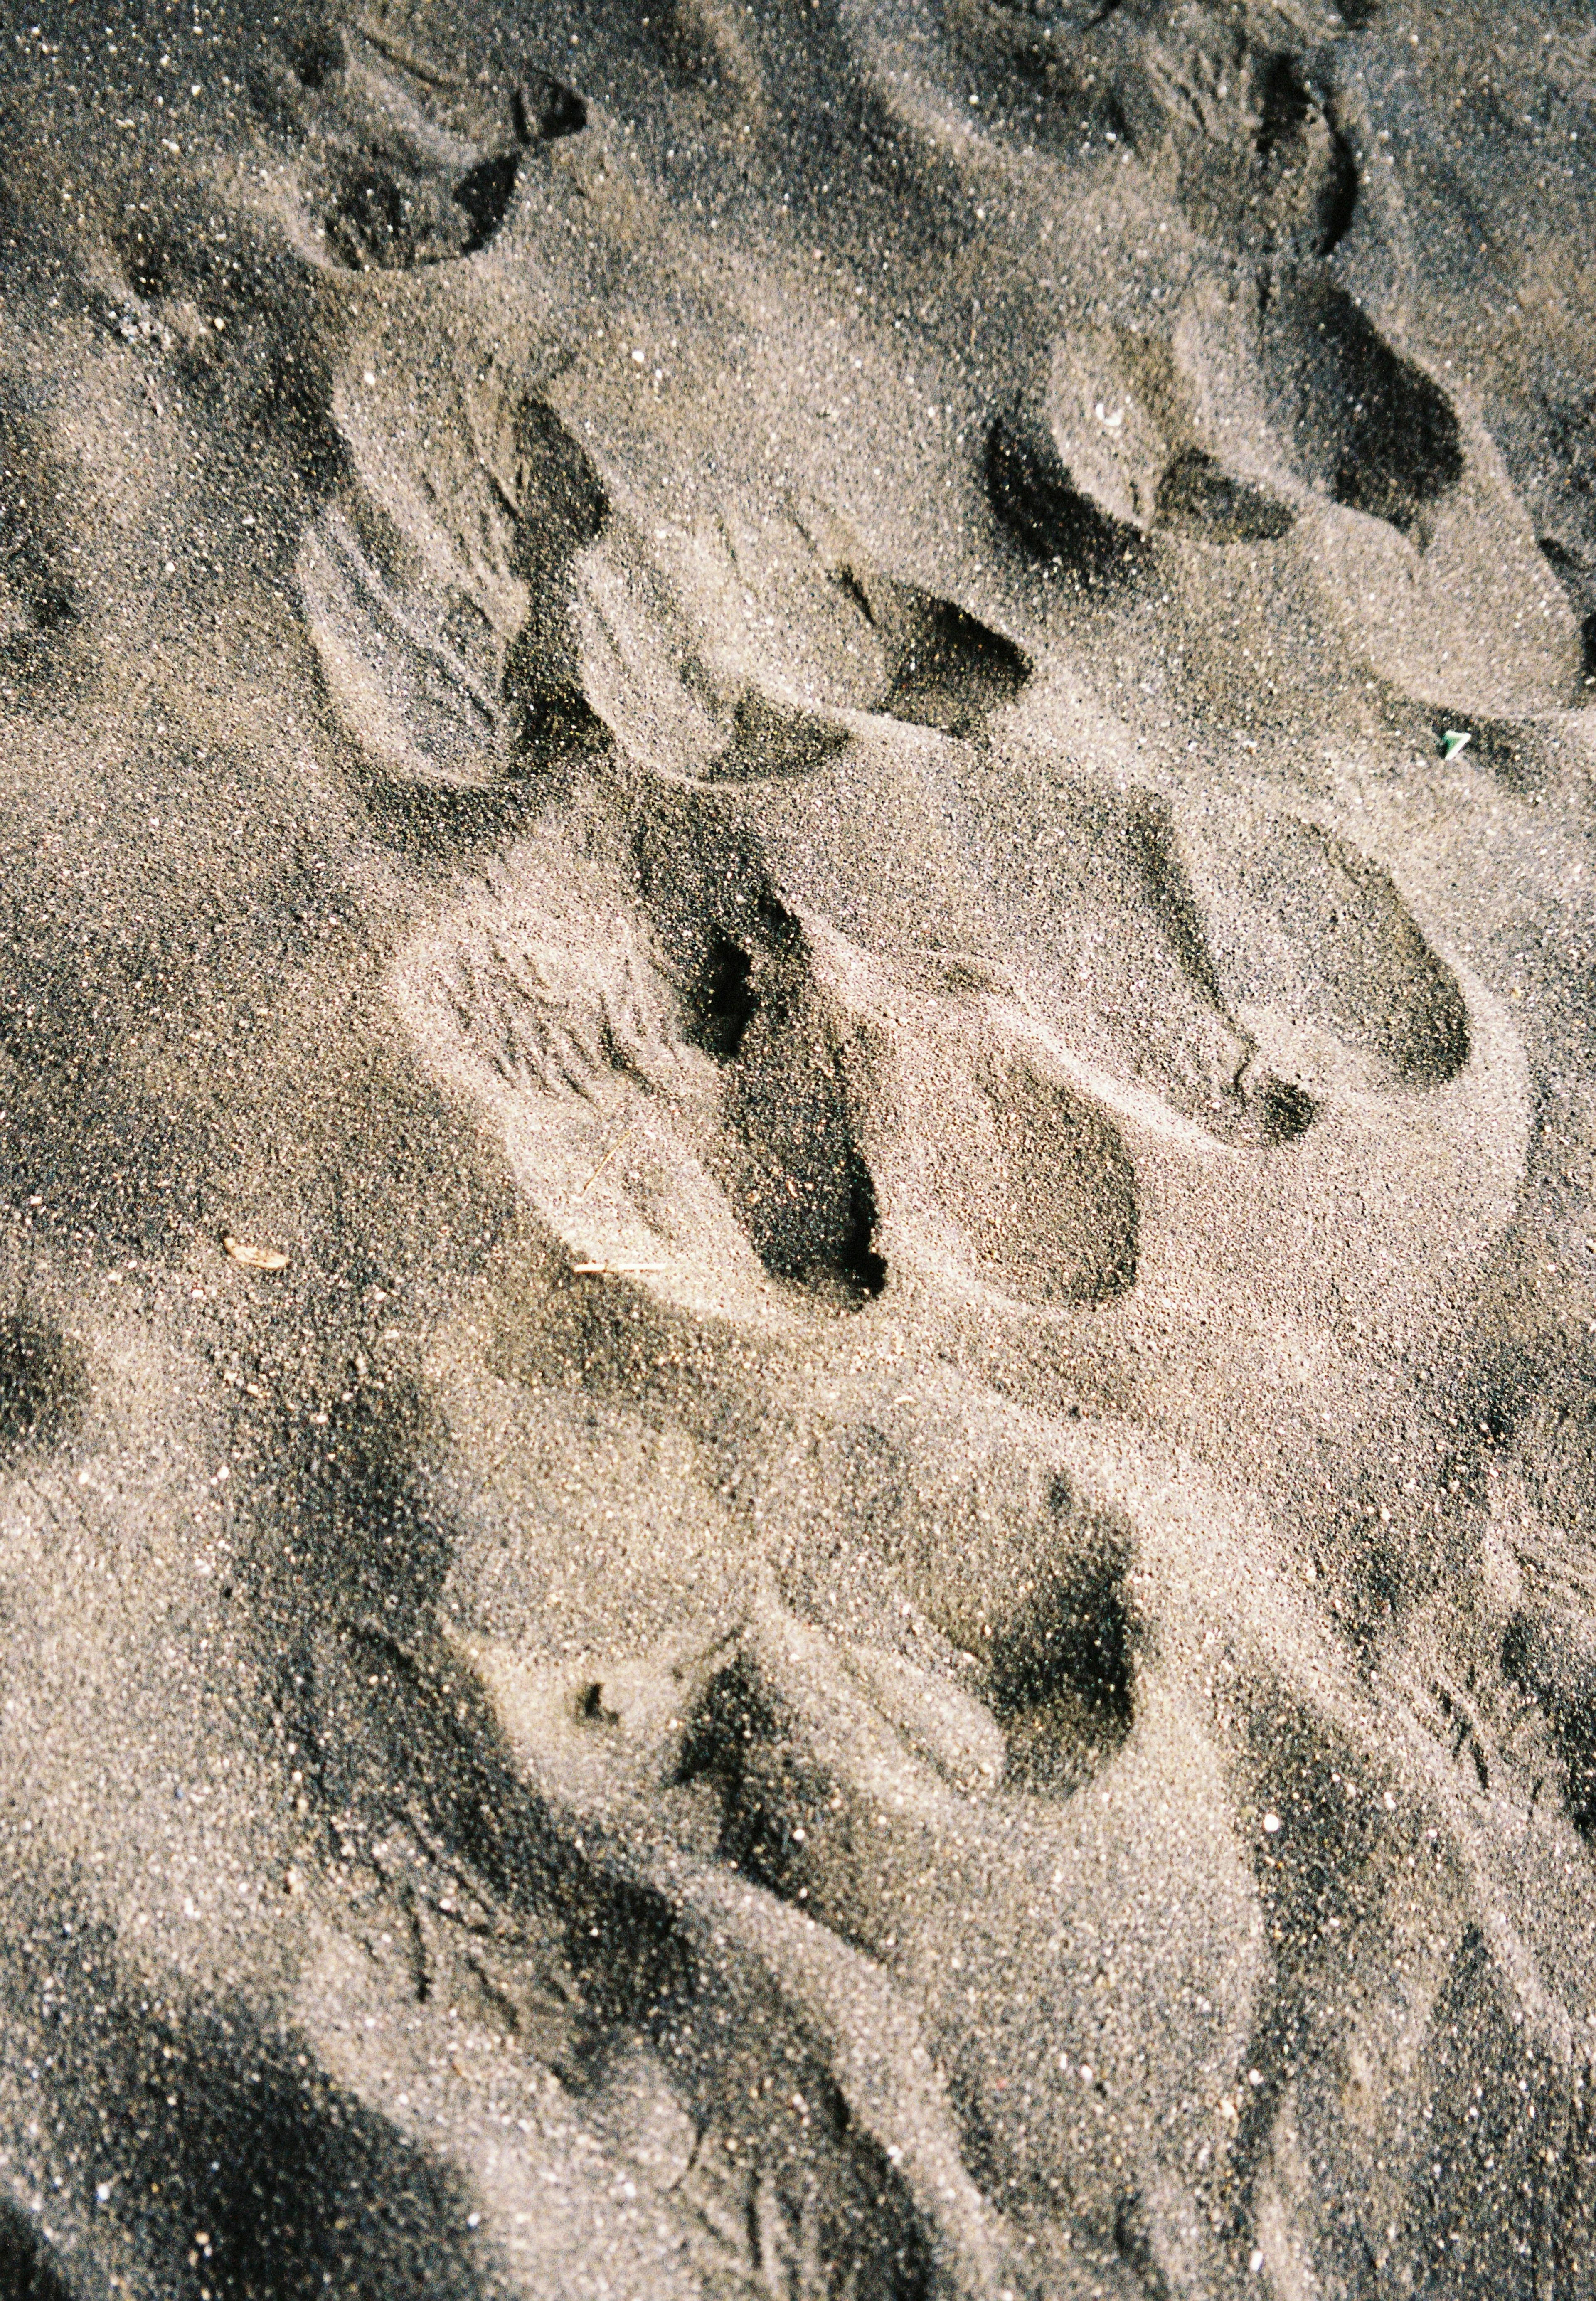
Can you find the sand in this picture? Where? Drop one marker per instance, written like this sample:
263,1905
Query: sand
798,1121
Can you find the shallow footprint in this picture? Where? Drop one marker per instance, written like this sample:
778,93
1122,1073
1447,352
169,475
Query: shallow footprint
1111,451
1299,922
1035,1180
1368,426
408,157
724,654
415,669
439,598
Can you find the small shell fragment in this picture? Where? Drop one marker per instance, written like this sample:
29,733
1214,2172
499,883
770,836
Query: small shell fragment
256,1258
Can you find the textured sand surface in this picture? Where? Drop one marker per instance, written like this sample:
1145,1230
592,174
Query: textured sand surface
798,1278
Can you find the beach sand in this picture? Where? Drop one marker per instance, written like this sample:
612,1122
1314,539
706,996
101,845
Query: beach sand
797,1117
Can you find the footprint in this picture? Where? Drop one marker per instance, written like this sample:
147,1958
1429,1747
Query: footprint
415,669
1032,1180
866,1861
1299,924
844,2175
802,1742
1418,525
543,987
712,1041
1112,453
1247,133
1225,111
1305,175
405,159
966,1512
736,653
1107,954
1252,1106
974,1154
1366,427
917,657
864,1792
439,602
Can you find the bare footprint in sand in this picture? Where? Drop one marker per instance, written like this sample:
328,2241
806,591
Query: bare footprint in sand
1300,923
779,1795
1353,472
1236,118
1113,450
720,652
404,160
1116,446
440,600
739,1098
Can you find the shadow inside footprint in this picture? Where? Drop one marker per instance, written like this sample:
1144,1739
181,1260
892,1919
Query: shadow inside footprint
953,671
26,2271
942,666
1198,497
43,1384
485,193
1577,577
409,159
1300,922
1284,1110
771,739
1369,427
790,1162
721,1002
1037,496
1062,1687
1091,475
803,1189
1307,179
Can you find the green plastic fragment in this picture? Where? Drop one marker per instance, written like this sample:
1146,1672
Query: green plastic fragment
1455,739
